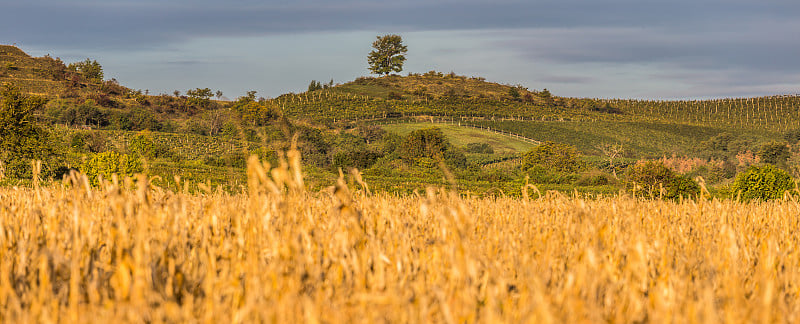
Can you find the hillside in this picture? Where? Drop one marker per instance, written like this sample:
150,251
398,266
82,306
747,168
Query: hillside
435,85
363,124
456,96
44,76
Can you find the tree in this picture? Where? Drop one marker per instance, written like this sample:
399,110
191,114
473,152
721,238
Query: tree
764,183
774,153
314,86
612,152
21,138
514,93
388,56
553,156
200,97
90,69
430,144
656,180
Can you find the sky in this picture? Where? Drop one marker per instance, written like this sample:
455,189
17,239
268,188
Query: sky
577,48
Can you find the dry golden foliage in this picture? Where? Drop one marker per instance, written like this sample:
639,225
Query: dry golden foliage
134,253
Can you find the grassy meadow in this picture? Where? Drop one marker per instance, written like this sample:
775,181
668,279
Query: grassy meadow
461,136
133,252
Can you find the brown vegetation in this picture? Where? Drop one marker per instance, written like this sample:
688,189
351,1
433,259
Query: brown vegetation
137,253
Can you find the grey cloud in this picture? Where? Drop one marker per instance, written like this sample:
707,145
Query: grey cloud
131,24
765,49
566,79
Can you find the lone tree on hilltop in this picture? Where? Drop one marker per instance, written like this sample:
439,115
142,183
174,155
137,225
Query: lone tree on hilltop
388,55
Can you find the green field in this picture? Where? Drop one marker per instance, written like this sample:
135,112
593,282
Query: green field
461,136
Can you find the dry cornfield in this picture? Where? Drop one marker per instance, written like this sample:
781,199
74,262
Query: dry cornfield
72,253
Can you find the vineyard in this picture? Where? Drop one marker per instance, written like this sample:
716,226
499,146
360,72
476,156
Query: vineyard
341,105
139,253
332,106
776,113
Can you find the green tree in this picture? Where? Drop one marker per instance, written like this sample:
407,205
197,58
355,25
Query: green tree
514,93
254,113
90,69
652,177
314,86
388,55
774,153
430,144
108,163
553,156
200,97
21,138
763,183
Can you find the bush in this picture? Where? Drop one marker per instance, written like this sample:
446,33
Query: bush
479,148
233,159
430,143
652,176
142,145
763,183
774,153
22,139
542,175
77,141
354,159
792,136
108,163
371,133
595,179
554,156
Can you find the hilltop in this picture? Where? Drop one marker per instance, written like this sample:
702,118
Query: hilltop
437,85
44,76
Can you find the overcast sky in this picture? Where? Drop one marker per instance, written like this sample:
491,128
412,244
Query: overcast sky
579,48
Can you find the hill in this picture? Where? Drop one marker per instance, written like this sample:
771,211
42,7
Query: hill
44,76
438,94
362,123
435,85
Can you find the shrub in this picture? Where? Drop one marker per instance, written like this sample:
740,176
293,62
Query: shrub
430,143
479,148
371,133
554,156
774,153
233,159
198,127
792,136
354,159
763,183
108,163
22,139
653,176
77,141
542,175
96,142
142,145
595,179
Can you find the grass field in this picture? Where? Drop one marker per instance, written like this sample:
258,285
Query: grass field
74,253
461,136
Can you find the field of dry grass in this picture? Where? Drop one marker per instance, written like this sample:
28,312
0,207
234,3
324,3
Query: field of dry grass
279,254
